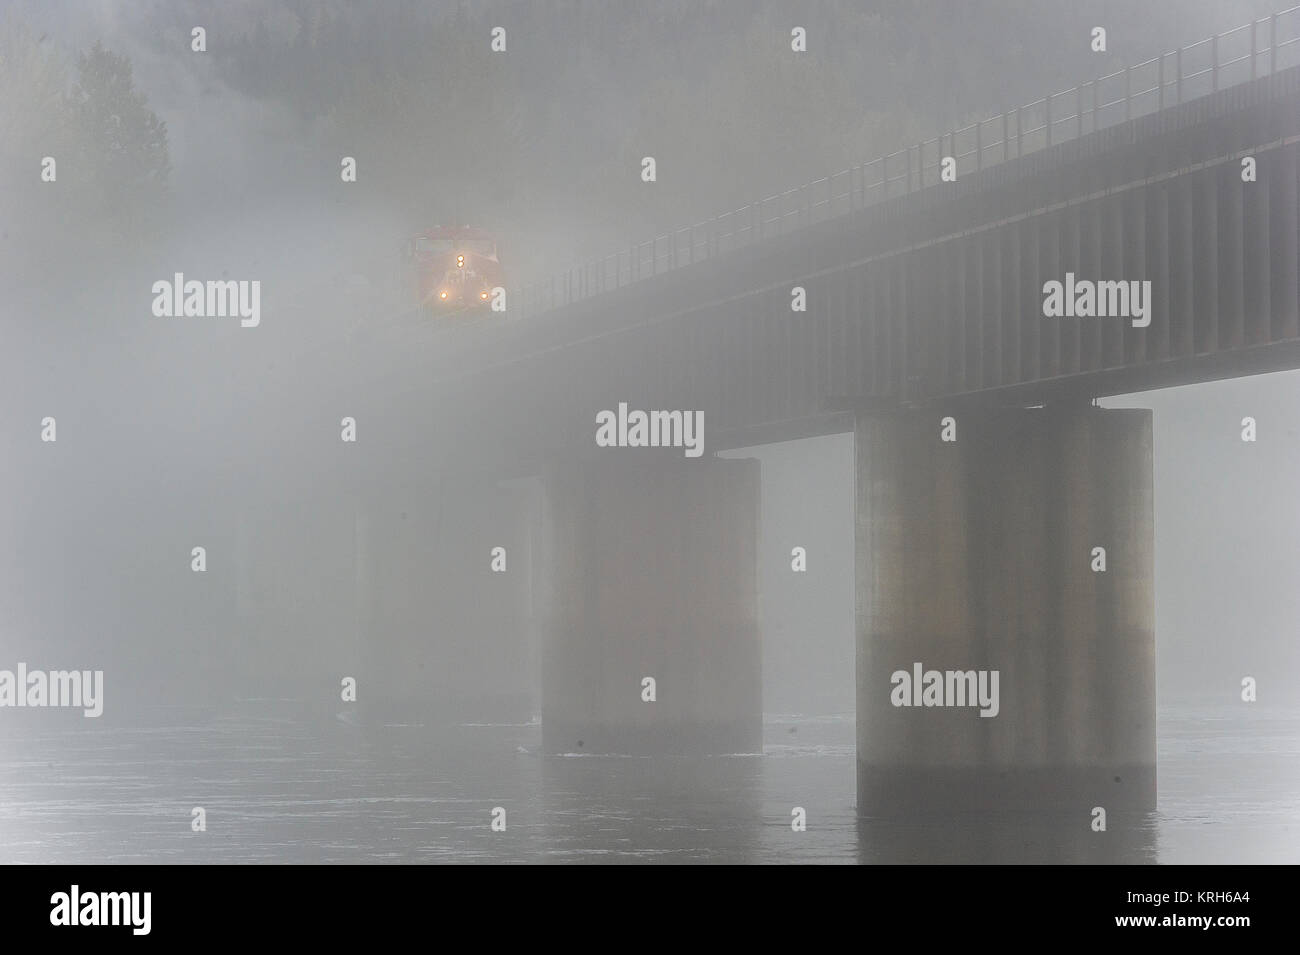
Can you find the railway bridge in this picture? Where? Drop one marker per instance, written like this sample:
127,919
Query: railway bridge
1004,521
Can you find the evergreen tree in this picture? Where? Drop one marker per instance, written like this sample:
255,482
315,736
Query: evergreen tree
121,144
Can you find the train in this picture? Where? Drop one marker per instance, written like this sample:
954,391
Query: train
455,269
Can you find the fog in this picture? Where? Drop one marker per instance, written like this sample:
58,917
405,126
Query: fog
186,432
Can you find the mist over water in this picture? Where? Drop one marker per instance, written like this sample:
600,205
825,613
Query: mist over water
285,789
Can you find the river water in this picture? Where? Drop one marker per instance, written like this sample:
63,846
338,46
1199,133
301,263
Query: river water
280,786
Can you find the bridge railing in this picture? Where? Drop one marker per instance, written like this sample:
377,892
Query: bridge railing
1235,56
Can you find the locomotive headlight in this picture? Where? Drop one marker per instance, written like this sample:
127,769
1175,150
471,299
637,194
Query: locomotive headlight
483,295
442,294
460,261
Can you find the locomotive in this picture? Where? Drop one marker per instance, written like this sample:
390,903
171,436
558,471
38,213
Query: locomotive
455,269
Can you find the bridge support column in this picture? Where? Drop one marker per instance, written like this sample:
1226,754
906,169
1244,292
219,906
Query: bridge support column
442,583
980,554
652,574
289,556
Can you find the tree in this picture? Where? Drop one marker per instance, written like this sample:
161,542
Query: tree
121,144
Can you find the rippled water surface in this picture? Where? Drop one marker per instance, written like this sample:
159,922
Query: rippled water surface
278,786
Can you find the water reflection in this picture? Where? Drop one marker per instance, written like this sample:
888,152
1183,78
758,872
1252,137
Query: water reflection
291,786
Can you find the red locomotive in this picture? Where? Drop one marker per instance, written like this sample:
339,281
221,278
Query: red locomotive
455,269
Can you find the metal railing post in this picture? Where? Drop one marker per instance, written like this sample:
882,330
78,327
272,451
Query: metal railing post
1006,138
1179,65
1020,131
1047,108
1128,93
1160,80
1254,48
1214,62
1078,111
1272,44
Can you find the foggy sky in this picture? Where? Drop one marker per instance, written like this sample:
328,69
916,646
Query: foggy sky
163,409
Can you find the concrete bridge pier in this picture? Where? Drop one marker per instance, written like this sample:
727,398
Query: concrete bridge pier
442,598
651,574
982,553
289,560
